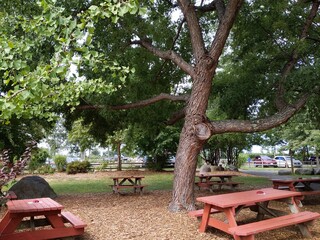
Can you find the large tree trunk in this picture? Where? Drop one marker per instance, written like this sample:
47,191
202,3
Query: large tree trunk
193,137
191,142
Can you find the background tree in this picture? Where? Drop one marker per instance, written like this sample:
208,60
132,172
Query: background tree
38,159
57,137
79,135
116,141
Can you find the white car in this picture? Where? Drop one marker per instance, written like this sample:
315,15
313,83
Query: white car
285,161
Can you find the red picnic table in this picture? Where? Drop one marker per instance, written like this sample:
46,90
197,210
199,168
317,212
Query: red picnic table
133,182
32,213
306,186
258,201
208,180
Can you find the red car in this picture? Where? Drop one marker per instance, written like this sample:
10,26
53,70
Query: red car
264,161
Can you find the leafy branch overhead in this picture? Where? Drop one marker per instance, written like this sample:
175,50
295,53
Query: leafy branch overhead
141,65
41,59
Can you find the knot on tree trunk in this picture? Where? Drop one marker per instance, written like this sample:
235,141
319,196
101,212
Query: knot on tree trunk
201,127
202,131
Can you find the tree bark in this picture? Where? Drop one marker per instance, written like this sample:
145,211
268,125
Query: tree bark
119,167
203,72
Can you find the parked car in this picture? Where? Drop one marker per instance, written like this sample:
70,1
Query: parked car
285,161
264,161
311,160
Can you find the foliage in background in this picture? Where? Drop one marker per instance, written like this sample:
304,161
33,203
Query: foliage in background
38,159
78,167
45,169
79,136
61,162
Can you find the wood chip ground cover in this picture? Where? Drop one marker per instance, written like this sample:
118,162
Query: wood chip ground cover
146,217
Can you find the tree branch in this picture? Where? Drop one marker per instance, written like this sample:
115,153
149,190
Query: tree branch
217,5
224,29
249,126
168,55
190,15
176,117
143,103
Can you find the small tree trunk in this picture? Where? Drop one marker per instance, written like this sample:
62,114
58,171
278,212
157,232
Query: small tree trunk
119,167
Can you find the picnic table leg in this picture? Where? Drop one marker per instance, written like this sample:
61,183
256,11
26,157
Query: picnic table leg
304,230
302,227
205,218
8,224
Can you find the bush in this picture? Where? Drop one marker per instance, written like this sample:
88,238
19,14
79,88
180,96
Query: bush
38,158
156,163
78,167
45,169
102,166
242,159
61,162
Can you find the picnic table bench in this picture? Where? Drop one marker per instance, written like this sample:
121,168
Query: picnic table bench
123,182
11,195
247,231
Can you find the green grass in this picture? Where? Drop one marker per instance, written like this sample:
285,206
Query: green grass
156,181
258,182
79,186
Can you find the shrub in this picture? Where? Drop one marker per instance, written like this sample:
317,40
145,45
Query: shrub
45,169
156,163
38,158
102,166
61,162
78,167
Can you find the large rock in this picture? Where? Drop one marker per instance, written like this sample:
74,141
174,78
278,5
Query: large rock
205,168
32,187
284,172
304,171
232,168
316,171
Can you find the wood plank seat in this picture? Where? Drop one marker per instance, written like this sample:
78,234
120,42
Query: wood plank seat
228,183
247,231
304,193
287,187
209,182
232,184
128,186
205,184
74,220
199,213
11,195
116,188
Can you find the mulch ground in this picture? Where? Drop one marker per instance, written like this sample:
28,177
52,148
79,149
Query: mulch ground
146,217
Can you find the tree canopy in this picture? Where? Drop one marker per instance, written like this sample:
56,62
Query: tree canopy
255,60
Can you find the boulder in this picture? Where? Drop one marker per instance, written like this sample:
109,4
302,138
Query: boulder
205,168
232,168
304,171
32,187
316,171
284,172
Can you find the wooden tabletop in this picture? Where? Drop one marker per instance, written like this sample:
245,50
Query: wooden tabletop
215,175
33,205
120,177
246,197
